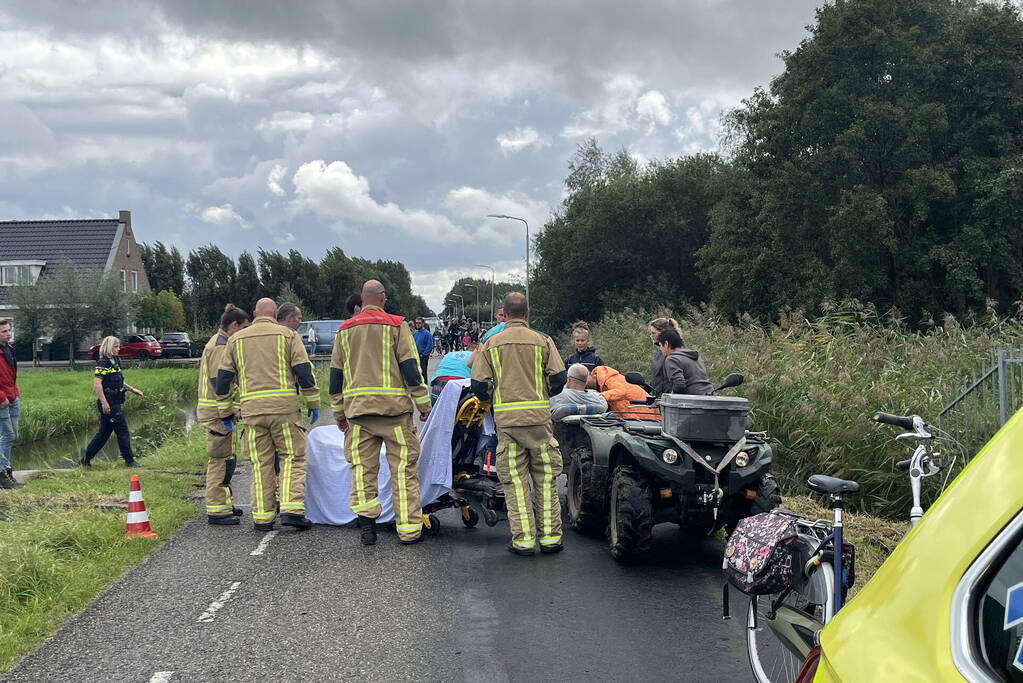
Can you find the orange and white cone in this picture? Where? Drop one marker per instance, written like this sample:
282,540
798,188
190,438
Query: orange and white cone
138,518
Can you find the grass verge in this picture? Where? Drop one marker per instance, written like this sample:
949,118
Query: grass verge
62,537
54,403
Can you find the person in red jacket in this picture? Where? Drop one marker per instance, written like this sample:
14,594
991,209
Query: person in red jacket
10,404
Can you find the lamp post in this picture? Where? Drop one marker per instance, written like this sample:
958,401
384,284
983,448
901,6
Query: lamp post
469,284
516,218
460,298
492,275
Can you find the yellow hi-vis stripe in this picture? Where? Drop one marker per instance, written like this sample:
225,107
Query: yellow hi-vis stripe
521,405
520,496
204,381
358,470
243,383
266,393
376,391
281,363
402,483
495,362
538,372
347,349
258,511
207,402
385,357
548,488
286,466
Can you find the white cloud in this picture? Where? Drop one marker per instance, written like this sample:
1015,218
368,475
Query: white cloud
288,121
473,204
653,106
273,179
285,238
222,215
335,191
522,137
700,128
434,284
613,115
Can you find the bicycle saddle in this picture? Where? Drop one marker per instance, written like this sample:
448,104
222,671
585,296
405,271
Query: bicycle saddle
822,483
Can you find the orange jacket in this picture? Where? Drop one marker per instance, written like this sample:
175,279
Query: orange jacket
613,386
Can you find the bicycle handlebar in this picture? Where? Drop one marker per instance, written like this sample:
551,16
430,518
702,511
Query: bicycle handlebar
903,465
904,421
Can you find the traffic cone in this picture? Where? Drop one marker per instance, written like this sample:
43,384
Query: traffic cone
138,518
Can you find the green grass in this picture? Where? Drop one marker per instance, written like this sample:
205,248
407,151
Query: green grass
57,402
62,537
814,385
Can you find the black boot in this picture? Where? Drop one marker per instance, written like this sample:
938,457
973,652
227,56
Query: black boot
368,525
10,475
229,520
6,482
297,521
237,512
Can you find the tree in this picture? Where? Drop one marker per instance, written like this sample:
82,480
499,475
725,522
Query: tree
288,295
32,312
71,289
211,276
112,308
338,275
164,269
274,272
247,286
159,311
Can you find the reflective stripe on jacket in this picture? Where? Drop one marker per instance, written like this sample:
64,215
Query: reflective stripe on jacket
370,369
519,361
263,360
212,355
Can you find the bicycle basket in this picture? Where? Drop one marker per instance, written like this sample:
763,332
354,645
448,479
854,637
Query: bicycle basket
758,555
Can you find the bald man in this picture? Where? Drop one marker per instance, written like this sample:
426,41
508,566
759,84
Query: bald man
267,361
375,384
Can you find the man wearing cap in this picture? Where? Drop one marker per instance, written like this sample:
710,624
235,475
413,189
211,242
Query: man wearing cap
519,369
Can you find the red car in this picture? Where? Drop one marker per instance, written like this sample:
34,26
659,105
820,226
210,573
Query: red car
141,346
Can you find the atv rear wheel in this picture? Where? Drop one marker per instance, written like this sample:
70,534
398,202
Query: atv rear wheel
586,512
631,518
768,497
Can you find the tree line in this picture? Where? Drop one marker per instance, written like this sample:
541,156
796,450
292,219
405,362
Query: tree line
884,164
208,278
473,290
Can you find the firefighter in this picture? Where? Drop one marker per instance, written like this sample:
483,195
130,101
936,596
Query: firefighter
267,360
522,369
221,445
374,383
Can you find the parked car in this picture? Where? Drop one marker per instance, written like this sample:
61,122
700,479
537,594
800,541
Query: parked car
141,346
324,331
178,344
308,334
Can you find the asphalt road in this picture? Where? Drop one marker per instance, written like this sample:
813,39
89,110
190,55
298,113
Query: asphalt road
233,604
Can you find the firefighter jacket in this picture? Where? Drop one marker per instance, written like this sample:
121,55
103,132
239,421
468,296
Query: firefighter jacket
525,368
212,355
374,368
266,360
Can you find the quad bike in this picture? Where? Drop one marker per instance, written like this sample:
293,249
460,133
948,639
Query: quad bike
695,465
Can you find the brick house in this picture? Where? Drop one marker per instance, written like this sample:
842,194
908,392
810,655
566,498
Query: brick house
29,249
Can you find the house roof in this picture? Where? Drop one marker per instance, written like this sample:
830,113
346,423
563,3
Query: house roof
85,242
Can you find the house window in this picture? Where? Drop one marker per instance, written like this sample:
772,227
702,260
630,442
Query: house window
134,281
15,275
124,284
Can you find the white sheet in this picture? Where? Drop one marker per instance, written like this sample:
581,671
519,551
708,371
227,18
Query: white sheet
329,479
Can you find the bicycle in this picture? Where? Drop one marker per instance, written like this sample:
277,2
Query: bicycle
782,628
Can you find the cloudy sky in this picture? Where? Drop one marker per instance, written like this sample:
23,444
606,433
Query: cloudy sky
389,129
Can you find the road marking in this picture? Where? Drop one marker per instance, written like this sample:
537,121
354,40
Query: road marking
161,677
261,548
215,606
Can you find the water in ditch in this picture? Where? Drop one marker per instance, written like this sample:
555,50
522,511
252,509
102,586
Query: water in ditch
149,429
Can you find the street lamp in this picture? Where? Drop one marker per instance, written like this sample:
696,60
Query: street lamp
463,303
492,275
516,218
469,284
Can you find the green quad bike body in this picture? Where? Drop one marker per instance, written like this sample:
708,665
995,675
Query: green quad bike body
626,474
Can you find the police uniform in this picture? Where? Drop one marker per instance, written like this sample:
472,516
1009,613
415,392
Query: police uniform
108,369
221,445
374,383
267,360
524,368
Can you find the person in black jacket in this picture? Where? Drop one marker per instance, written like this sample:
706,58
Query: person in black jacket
110,388
585,354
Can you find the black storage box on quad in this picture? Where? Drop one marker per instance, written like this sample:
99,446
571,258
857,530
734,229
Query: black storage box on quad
704,418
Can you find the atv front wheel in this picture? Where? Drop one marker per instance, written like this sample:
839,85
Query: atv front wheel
767,498
586,512
631,519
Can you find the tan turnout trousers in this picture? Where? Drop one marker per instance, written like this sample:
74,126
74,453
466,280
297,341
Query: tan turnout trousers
528,464
264,437
362,449
221,448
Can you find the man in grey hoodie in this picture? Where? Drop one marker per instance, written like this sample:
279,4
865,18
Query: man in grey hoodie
683,367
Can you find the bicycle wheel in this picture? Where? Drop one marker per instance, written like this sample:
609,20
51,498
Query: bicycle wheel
778,647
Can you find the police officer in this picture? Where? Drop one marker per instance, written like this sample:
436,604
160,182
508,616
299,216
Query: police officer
220,443
525,369
374,383
267,360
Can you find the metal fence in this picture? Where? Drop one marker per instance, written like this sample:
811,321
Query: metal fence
987,402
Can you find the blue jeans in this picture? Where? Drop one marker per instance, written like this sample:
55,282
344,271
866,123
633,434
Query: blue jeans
8,431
